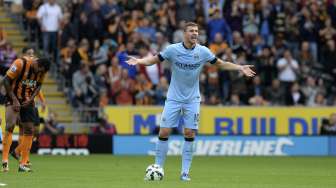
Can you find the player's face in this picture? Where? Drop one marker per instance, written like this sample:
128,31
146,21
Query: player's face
30,53
191,34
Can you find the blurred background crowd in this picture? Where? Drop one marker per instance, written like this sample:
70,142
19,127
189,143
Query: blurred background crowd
291,43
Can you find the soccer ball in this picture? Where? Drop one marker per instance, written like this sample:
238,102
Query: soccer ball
154,173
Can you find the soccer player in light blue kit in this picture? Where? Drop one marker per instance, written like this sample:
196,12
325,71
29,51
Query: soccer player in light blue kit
183,99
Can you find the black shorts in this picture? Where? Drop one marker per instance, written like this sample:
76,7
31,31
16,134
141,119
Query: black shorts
37,120
29,114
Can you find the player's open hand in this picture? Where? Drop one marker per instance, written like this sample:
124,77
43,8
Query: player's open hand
247,71
132,60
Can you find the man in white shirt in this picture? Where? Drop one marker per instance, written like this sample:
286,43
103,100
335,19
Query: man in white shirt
50,17
288,68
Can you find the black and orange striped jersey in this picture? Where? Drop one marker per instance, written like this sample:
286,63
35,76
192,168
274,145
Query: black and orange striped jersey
24,79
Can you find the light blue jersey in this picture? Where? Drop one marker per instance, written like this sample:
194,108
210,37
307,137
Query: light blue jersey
186,65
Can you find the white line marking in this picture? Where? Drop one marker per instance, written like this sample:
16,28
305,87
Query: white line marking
3,184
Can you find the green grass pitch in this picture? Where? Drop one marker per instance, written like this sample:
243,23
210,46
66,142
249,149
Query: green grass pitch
207,172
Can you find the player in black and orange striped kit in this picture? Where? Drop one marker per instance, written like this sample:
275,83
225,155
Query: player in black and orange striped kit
22,82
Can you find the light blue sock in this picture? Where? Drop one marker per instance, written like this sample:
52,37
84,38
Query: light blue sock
161,152
187,154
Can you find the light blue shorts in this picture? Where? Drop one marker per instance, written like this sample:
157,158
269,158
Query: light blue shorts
173,111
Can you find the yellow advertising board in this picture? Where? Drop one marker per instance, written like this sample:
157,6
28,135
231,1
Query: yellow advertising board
228,120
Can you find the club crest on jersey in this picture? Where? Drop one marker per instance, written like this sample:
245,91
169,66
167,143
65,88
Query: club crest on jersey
13,68
196,57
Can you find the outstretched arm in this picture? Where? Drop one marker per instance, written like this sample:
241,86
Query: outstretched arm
147,61
245,69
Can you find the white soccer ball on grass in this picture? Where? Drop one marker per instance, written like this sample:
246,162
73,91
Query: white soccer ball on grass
154,173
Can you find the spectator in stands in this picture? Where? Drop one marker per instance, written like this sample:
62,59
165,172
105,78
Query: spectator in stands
81,55
213,100
146,29
256,88
51,126
329,126
308,25
144,92
2,37
95,19
117,29
164,28
114,71
275,94
218,46
306,60
212,81
250,23
109,10
319,100
329,56
161,42
310,90
104,127
235,17
7,57
161,91
210,6
186,10
266,23
102,80
31,8
328,32
50,16
257,101
83,28
66,61
178,33
124,89
238,45
68,30
288,69
217,24
234,100
99,54
295,96
83,84
332,11
104,99
279,47
265,65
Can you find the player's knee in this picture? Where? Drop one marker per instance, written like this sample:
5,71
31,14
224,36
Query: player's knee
189,133
10,127
164,133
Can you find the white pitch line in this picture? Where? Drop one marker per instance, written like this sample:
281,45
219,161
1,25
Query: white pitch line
3,184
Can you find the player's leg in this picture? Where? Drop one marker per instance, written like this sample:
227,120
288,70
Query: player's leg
27,119
11,117
25,146
17,152
169,119
191,119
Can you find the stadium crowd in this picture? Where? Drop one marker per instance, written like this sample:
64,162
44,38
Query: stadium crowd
291,43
